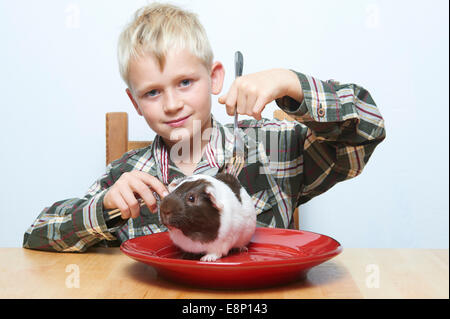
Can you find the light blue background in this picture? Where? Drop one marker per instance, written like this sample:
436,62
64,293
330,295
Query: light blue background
59,77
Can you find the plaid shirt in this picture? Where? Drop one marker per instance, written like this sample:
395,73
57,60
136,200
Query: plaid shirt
287,163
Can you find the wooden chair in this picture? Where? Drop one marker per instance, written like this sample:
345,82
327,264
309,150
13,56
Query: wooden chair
117,142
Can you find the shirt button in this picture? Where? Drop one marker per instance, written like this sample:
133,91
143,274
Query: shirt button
321,112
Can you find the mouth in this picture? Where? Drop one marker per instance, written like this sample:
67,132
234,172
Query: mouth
178,122
168,225
165,221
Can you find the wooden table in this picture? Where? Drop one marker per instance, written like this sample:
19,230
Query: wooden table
107,273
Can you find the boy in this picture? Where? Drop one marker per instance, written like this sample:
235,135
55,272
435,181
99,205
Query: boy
167,63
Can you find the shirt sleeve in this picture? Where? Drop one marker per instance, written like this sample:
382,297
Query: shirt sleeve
75,224
344,126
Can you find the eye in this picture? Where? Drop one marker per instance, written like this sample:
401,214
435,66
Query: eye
191,198
186,82
152,93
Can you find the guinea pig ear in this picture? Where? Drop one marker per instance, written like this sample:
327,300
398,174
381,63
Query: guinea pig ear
212,196
174,184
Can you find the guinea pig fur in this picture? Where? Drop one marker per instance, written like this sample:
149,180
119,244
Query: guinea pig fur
208,215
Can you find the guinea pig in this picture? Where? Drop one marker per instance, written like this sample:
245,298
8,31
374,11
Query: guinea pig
208,215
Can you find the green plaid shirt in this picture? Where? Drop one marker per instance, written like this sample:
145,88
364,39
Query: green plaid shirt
287,163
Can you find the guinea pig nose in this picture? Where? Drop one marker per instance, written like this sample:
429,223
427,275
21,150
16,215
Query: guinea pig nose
165,212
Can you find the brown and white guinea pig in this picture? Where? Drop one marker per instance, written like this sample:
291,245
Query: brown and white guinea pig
208,215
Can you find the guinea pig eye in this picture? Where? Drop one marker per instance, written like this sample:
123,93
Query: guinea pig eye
191,198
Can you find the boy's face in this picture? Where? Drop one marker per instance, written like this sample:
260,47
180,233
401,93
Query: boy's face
175,101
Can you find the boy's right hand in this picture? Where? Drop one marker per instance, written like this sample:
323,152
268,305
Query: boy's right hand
122,194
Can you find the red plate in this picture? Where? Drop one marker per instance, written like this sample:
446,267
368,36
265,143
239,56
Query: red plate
275,256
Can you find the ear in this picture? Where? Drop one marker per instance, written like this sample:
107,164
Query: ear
136,106
174,184
217,77
212,196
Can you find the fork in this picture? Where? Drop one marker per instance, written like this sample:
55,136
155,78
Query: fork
237,161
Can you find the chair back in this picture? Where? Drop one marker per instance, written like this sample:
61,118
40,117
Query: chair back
117,142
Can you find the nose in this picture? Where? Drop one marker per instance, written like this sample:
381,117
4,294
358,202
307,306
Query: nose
172,102
165,214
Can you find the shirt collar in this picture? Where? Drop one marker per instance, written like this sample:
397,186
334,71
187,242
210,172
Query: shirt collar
217,151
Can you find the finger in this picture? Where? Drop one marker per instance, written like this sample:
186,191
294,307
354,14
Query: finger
258,107
251,101
222,99
241,101
139,187
154,183
122,206
231,100
131,202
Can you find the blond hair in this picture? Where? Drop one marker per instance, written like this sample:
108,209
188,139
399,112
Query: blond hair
158,28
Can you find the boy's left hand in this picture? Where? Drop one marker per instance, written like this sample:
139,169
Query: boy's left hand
250,94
